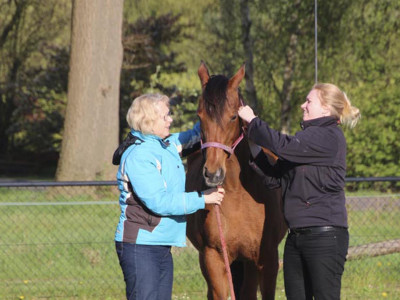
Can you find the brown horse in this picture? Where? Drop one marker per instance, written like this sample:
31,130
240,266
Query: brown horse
251,215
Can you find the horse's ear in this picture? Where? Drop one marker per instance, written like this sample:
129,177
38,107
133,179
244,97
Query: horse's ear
203,74
237,78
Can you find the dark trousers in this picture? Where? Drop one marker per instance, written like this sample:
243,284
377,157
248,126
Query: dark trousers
313,264
147,269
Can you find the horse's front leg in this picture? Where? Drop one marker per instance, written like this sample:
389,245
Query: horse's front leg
213,269
269,274
250,282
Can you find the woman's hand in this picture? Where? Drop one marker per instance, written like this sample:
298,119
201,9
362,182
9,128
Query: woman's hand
214,195
246,113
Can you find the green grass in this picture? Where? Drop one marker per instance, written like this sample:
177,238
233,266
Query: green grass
67,251
372,278
366,279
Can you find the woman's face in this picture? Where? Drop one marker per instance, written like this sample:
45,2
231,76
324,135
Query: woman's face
161,126
313,108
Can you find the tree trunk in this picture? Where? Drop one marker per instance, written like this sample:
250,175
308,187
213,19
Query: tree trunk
251,94
290,65
91,122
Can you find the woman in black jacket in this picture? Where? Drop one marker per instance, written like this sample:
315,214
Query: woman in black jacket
311,168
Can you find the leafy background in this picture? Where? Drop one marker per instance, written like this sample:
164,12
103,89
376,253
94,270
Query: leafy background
164,42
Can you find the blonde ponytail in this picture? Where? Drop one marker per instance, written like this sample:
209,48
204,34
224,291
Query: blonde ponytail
350,114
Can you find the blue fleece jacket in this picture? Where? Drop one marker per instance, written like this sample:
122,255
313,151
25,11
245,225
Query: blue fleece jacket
151,180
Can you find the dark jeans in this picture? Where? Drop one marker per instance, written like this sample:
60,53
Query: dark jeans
148,271
313,264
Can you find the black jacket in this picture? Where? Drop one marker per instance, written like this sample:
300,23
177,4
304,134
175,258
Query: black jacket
311,168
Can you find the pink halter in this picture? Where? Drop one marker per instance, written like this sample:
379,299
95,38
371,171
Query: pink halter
228,149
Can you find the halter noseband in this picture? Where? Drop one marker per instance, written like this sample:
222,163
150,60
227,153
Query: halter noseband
228,149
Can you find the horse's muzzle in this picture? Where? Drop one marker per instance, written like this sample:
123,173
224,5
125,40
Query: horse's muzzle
214,179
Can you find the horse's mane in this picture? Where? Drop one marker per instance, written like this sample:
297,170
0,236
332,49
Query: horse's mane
214,96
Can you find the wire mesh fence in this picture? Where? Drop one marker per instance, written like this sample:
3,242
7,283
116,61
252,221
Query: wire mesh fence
56,242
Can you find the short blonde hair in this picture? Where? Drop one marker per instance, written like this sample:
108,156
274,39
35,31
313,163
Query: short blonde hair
338,102
144,112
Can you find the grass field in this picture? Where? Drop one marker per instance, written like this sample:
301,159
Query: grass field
57,243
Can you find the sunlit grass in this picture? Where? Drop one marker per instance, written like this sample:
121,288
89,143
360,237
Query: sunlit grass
67,251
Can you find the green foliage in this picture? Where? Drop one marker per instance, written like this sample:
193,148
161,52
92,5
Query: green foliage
32,35
39,116
369,74
164,43
184,100
148,58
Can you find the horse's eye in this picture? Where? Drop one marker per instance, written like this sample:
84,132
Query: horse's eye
234,118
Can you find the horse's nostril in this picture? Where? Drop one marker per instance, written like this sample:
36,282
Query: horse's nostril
206,174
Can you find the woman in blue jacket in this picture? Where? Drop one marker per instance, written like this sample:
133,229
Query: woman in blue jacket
311,168
153,201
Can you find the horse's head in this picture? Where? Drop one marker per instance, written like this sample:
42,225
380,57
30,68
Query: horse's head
220,123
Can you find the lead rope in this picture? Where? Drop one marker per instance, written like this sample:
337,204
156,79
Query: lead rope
224,252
